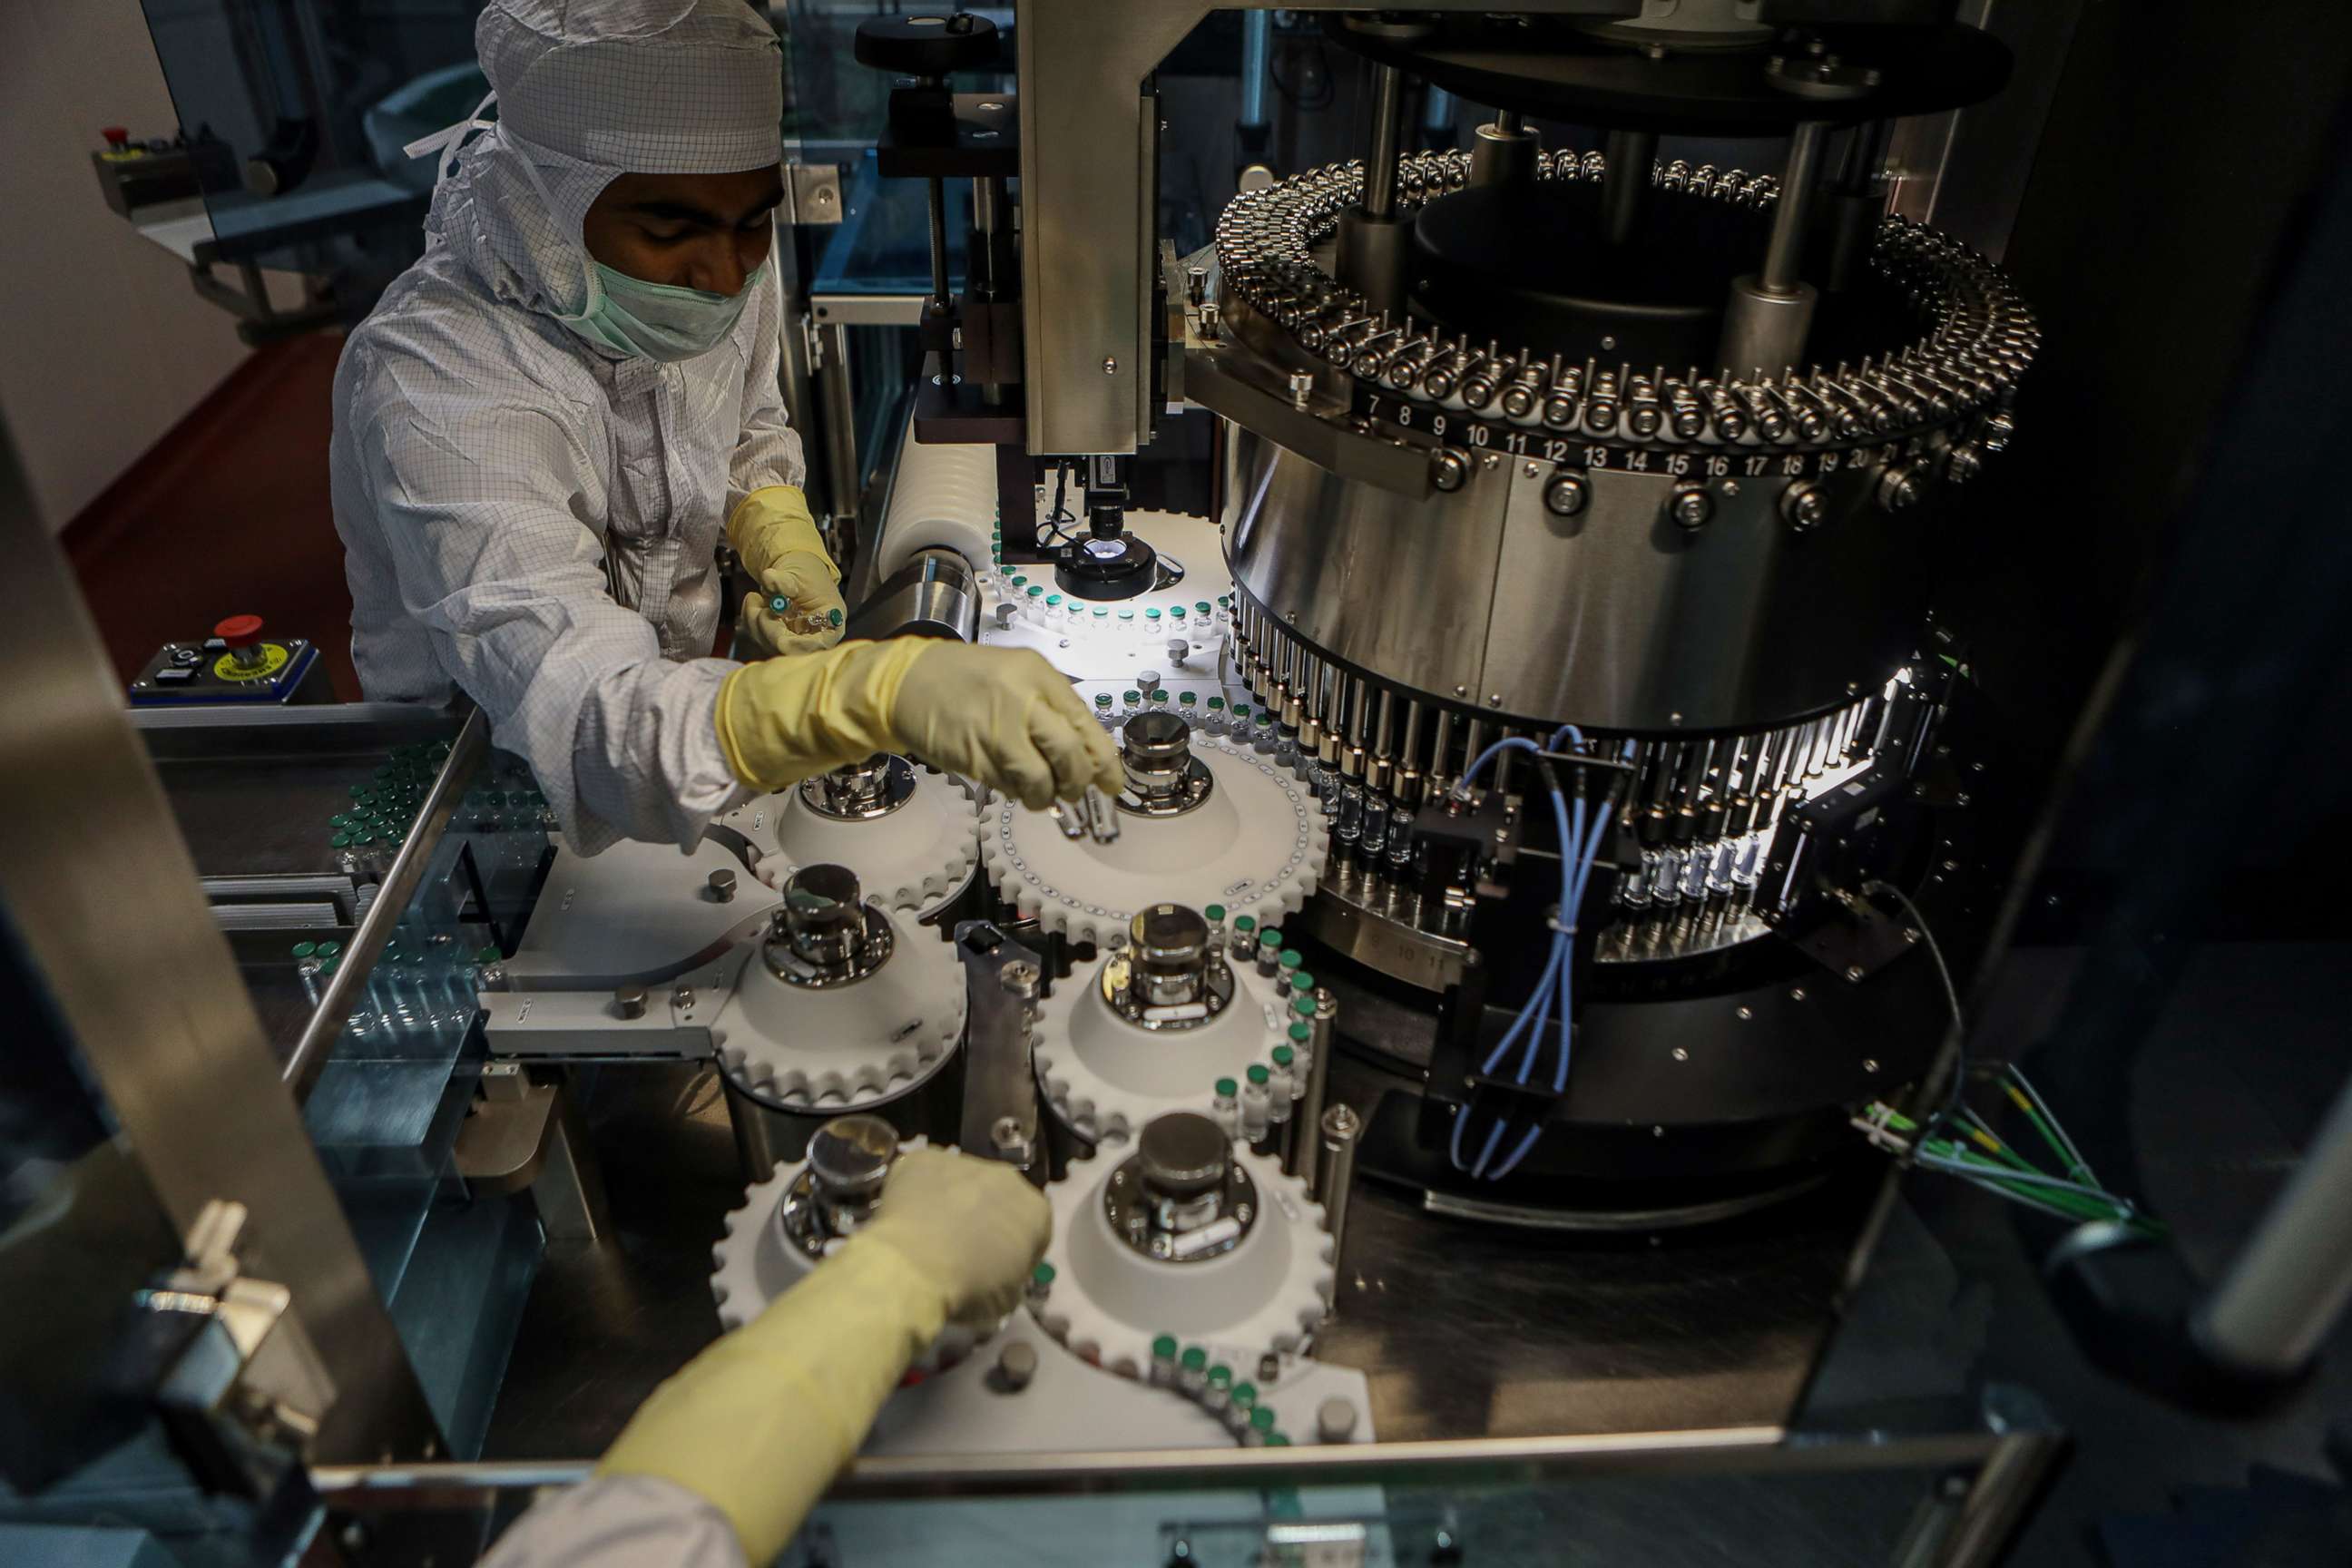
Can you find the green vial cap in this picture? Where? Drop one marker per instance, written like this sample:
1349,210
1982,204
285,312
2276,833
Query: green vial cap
778,604
1201,608
1261,1418
1184,699
833,616
1133,698
1053,600
1259,1076
1161,695
1216,704
1270,937
1127,615
1302,1006
1151,615
1302,1033
306,950
1301,982
1163,1348
1101,614
1284,1056
1214,912
1221,1377
340,841
1244,925
330,948
1227,1088
1175,611
1102,700
488,953
1037,590
329,965
1291,958
1245,1396
1019,580
1041,1275
1241,710
1276,1440
1194,1359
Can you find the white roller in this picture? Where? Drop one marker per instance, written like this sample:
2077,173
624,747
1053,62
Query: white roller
944,498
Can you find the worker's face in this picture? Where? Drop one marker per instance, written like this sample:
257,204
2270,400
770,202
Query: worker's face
692,231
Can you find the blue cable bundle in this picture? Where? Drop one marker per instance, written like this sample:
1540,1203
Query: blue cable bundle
1579,849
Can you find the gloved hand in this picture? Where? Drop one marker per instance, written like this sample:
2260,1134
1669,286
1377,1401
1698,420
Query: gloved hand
760,1422
975,1227
777,541
1002,717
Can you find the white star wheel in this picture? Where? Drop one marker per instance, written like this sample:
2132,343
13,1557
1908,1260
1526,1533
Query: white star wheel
848,1046
1108,1301
1105,1076
1257,846
915,858
756,1261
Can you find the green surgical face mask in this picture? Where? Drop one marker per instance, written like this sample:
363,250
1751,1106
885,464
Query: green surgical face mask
657,321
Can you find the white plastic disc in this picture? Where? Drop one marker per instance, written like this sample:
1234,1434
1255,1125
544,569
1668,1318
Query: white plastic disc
846,1047
1108,1301
1256,846
1104,1076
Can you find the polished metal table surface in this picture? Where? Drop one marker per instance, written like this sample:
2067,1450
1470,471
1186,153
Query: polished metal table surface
1463,1329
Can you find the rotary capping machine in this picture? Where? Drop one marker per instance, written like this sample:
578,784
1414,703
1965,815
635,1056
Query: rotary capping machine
1577,517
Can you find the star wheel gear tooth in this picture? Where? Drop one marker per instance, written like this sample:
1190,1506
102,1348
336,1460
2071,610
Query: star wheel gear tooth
1108,1302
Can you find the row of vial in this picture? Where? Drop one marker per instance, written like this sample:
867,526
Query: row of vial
1187,1370
1262,1108
418,982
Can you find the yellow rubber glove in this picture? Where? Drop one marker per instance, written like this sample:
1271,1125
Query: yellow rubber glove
1002,717
758,1422
777,541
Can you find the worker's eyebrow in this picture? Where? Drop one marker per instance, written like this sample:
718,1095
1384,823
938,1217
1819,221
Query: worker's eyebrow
686,212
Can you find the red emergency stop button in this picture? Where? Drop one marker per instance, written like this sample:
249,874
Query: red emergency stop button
239,631
118,137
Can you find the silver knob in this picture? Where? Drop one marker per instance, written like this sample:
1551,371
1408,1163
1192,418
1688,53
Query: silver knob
850,1156
722,886
629,1000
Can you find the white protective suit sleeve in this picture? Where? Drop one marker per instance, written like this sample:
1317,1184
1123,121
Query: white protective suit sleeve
768,452
620,1522
481,505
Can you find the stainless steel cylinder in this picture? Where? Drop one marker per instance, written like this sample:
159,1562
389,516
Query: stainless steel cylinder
1336,1173
824,915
